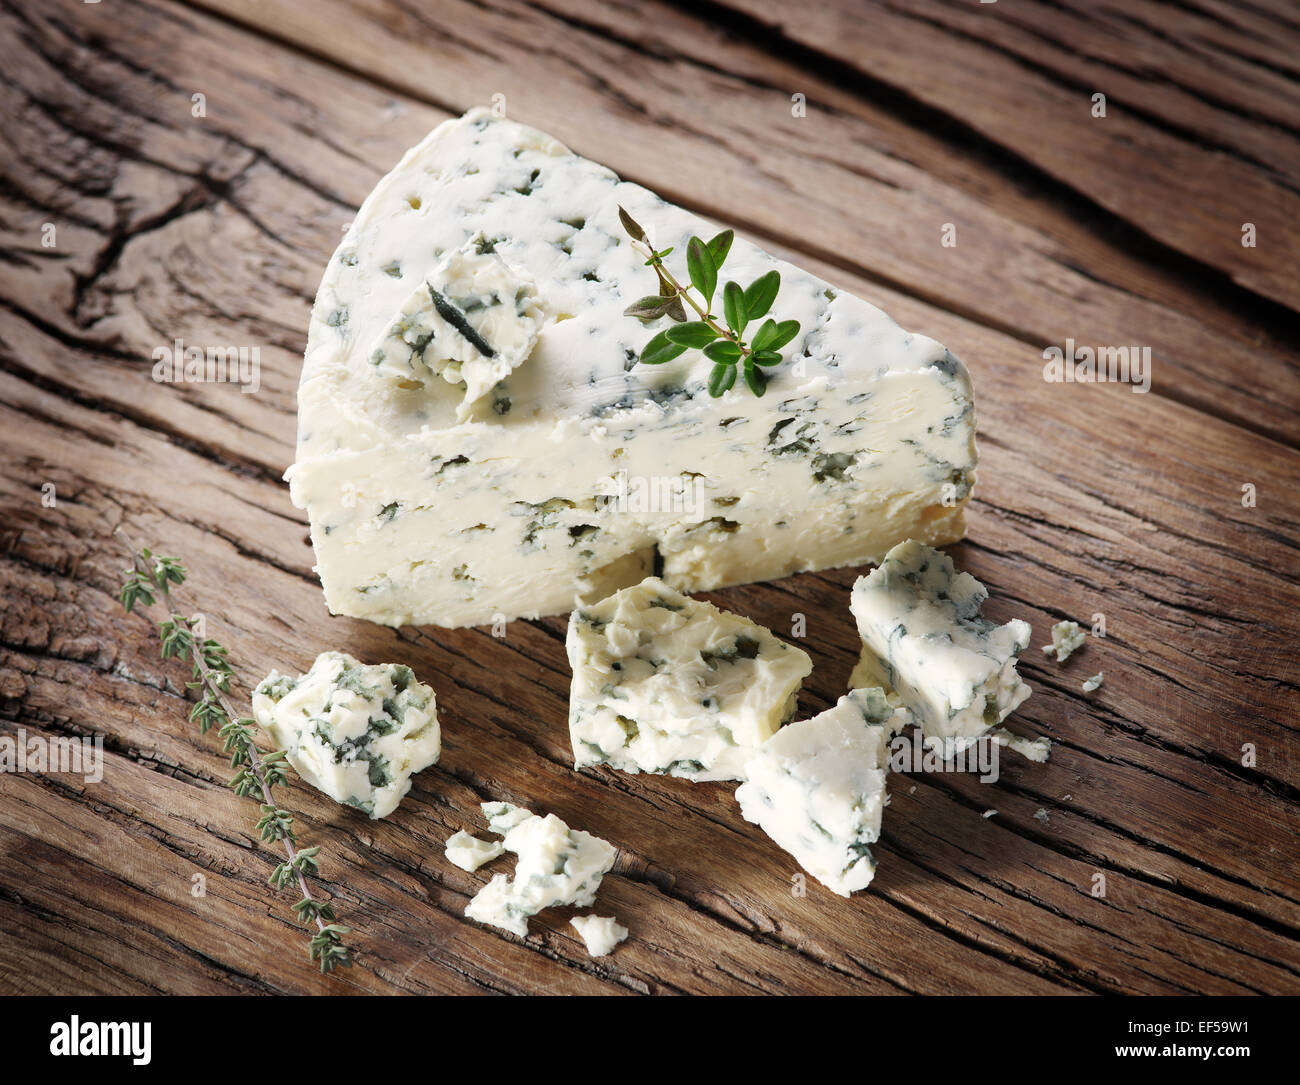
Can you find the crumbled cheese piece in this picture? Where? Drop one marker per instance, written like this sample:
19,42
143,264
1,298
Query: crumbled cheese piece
1032,749
502,816
356,732
1042,815
920,624
1093,683
472,322
1067,638
668,684
817,787
601,933
557,865
470,853
988,813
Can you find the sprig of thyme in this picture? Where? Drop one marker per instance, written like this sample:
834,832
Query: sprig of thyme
149,579
725,346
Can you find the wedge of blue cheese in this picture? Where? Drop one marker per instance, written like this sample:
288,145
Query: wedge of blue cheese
953,669
817,787
471,324
458,503
668,684
556,866
354,731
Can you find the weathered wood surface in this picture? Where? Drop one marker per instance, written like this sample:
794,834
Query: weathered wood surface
1090,499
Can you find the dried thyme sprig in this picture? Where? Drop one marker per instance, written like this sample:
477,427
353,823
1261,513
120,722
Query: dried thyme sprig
725,346
149,579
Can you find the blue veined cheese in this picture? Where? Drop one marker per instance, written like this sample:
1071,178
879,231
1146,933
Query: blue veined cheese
354,731
954,670
469,852
600,933
870,671
557,865
471,323
817,787
865,436
668,684
1067,638
1091,685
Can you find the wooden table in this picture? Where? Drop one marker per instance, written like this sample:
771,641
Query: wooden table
211,219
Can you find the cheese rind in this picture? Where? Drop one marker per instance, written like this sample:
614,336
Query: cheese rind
664,683
355,732
429,509
954,670
600,933
557,865
817,787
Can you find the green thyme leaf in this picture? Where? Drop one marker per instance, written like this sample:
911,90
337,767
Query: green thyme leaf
702,269
721,379
756,379
661,349
764,336
631,225
785,331
720,246
734,308
722,351
651,307
694,333
766,357
761,293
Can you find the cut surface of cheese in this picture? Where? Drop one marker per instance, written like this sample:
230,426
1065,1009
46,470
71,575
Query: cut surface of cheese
668,684
817,787
450,487
922,631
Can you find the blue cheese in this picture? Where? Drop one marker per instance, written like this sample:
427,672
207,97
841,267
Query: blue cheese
557,866
668,684
1092,684
817,787
472,323
600,933
953,669
469,852
356,732
432,505
1067,638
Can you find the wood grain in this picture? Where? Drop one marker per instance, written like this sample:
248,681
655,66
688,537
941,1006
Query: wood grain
1090,499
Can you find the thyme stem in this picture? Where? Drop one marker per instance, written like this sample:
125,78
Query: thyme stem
150,583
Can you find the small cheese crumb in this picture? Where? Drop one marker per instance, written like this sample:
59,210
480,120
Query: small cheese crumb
1067,638
1092,683
988,813
1042,815
1032,749
470,853
601,933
